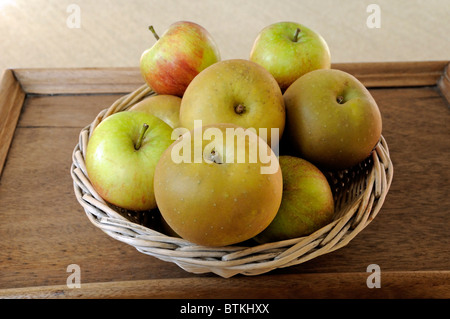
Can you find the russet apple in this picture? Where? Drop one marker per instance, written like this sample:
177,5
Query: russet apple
209,194
307,204
289,50
121,157
235,91
183,51
164,107
332,119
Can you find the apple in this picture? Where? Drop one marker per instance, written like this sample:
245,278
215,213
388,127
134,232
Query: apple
289,50
332,119
121,157
165,228
184,50
235,91
208,194
164,107
307,204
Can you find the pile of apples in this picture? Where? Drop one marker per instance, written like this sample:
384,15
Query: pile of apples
205,151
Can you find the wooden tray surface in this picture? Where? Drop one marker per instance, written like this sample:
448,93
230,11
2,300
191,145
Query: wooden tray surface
43,229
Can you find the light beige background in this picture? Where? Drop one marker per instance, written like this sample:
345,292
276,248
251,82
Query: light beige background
113,33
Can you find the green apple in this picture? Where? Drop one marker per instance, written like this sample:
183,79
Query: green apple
218,198
289,50
235,91
121,157
307,203
164,107
332,119
183,51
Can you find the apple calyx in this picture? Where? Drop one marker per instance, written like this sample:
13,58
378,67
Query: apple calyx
297,33
239,109
154,32
138,144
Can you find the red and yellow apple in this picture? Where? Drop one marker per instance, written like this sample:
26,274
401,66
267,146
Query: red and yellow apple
182,52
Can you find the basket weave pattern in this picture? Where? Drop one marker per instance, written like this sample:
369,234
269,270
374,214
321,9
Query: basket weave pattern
359,194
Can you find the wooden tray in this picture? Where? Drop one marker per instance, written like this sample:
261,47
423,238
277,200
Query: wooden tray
43,229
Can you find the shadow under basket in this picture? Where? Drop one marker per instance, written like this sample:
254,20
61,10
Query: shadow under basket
359,193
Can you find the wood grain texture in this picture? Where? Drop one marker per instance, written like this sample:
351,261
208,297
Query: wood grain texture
11,99
404,285
44,229
124,80
79,80
395,74
444,83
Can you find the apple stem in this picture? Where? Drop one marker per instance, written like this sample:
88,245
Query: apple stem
215,157
141,136
154,32
297,32
340,99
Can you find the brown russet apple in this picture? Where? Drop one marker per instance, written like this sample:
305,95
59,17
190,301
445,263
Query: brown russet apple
332,119
307,203
235,91
209,194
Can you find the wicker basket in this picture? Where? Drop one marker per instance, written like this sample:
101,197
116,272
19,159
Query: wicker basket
359,194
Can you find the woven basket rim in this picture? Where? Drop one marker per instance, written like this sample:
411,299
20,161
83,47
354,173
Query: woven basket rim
351,217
